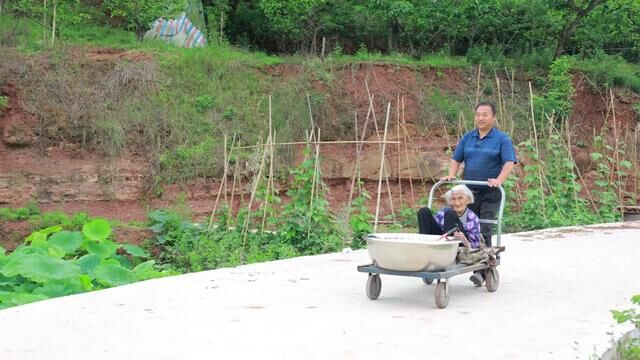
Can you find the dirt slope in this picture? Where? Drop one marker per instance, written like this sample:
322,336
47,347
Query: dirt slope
63,176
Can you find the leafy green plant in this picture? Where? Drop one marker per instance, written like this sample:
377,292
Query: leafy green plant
557,102
612,170
307,222
630,349
55,262
360,220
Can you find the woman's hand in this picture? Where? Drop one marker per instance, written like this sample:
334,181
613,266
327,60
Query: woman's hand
460,236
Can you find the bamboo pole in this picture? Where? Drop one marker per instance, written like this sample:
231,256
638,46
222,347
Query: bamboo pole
44,24
256,183
406,153
386,125
265,201
270,179
233,191
224,177
478,84
501,113
53,27
314,185
421,158
535,138
616,149
318,170
221,27
418,158
310,113
398,151
636,160
359,145
356,168
385,169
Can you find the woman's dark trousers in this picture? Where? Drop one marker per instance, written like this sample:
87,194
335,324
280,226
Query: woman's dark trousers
428,225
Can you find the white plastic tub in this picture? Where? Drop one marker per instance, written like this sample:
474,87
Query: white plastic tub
411,252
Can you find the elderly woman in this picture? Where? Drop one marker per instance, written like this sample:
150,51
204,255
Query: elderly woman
455,214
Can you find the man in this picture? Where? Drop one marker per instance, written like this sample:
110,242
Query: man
488,155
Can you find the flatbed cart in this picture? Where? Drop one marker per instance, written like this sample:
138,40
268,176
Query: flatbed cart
492,277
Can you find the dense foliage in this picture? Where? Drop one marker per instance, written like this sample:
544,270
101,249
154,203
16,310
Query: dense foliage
513,27
458,27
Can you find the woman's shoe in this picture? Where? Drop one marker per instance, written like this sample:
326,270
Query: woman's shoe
477,279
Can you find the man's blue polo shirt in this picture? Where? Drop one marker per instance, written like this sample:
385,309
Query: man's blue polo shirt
483,158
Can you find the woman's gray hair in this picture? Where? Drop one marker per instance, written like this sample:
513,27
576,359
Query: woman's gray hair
459,188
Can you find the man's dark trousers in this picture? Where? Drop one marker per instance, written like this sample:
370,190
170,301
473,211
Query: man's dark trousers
486,204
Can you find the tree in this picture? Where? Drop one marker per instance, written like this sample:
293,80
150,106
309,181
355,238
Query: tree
137,15
575,13
611,28
298,21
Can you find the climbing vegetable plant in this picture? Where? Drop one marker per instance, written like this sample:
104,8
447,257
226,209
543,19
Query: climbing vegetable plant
301,226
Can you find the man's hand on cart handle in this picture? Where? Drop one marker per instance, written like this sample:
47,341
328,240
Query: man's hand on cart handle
494,182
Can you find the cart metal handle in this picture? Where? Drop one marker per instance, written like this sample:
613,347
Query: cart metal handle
497,222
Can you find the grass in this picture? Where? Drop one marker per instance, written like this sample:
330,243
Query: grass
610,70
432,60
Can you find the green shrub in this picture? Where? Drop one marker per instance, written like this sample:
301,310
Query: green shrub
228,114
14,214
204,103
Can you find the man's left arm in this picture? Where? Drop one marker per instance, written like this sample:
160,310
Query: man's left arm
508,158
504,174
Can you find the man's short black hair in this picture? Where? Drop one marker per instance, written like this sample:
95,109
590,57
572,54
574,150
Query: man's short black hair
489,104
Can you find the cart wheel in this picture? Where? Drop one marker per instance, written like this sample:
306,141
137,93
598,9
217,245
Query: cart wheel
374,286
442,295
492,279
427,281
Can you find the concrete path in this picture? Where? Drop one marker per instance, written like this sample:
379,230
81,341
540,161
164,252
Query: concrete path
556,290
